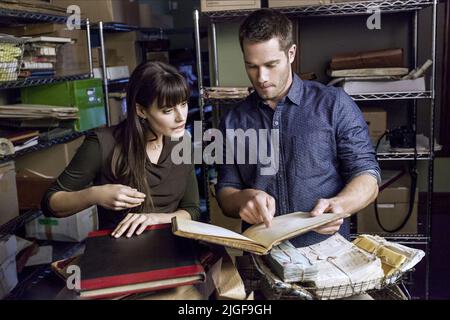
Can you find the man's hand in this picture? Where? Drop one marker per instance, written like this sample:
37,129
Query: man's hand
260,207
328,206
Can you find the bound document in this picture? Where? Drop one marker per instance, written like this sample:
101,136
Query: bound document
258,238
154,260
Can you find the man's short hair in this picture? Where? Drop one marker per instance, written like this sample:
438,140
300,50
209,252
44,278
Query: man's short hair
265,24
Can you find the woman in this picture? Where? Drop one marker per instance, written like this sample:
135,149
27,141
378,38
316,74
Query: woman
126,170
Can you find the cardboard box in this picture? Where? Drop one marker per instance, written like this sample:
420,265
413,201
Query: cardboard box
74,228
376,119
122,11
9,208
122,48
8,276
162,56
112,73
393,205
117,108
31,188
8,248
145,15
296,3
49,162
213,5
8,273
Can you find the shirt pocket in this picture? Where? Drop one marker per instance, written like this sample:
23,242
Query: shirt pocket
313,154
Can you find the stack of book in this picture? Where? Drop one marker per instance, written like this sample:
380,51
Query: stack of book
155,260
379,71
40,56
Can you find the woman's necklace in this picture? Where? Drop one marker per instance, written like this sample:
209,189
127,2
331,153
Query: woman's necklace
155,146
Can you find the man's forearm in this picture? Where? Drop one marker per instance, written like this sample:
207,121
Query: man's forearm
231,200
358,193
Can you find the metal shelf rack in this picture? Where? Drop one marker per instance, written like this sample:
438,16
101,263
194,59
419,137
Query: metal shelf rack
11,16
335,9
346,9
42,146
40,81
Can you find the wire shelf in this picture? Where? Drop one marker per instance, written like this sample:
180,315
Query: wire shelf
385,156
42,146
41,81
391,96
20,16
355,97
13,225
334,9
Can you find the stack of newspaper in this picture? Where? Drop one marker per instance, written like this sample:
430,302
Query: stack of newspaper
337,268
334,268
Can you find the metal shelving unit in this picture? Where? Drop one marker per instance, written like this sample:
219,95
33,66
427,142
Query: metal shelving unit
13,225
101,28
40,81
42,146
10,17
358,8
335,9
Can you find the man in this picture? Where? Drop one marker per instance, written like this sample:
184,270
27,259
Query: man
326,162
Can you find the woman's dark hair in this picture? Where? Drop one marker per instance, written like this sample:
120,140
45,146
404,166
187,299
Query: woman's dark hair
265,24
150,82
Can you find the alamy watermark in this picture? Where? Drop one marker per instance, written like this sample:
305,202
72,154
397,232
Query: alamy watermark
374,20
74,18
240,147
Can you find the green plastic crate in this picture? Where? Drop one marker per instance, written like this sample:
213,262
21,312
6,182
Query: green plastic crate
86,95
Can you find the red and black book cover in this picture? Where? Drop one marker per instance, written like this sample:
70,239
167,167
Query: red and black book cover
155,255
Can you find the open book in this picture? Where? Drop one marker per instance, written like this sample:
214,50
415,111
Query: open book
258,238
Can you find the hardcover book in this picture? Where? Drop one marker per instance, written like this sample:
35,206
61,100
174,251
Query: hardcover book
258,238
154,260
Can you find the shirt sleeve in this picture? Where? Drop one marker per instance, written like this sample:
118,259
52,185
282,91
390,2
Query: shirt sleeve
356,153
190,201
79,174
227,174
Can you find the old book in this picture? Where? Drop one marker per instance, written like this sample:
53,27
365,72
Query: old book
258,238
152,261
368,59
368,72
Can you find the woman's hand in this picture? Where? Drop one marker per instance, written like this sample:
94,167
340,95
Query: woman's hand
117,197
135,222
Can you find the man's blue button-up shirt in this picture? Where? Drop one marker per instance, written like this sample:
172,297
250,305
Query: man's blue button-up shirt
323,144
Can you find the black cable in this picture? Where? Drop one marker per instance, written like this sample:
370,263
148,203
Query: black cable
412,191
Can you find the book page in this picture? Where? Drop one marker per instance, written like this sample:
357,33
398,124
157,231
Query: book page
287,226
200,228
